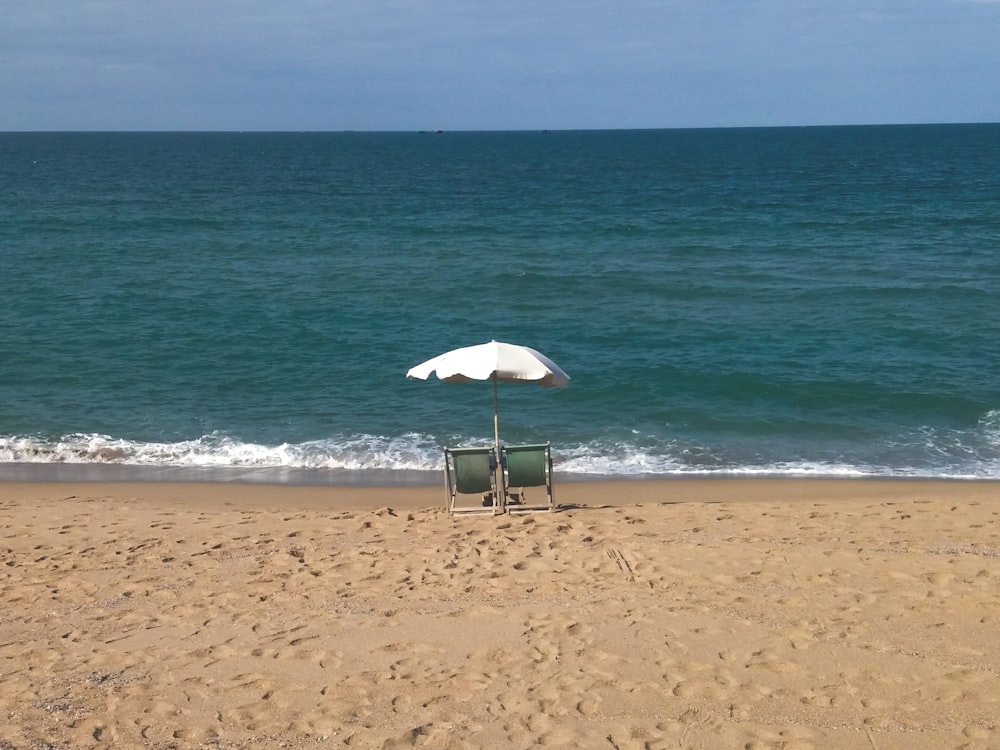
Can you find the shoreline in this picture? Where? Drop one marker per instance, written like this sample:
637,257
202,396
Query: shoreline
287,476
568,494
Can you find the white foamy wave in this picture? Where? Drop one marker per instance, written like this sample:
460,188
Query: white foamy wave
614,462
355,453
415,452
624,459
622,462
990,426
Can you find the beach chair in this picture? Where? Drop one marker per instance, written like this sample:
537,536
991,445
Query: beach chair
472,472
527,466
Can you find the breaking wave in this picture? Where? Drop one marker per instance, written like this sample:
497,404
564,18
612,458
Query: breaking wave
925,455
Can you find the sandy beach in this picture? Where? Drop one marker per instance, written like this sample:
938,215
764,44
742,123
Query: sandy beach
642,614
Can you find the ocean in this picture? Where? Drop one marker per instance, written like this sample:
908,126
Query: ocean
816,301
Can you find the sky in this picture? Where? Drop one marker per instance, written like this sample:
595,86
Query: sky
380,65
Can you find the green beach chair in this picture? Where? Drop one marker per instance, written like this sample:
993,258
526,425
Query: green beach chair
527,466
468,472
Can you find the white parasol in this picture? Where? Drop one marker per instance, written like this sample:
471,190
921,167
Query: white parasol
496,361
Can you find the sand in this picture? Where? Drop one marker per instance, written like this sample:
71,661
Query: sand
705,614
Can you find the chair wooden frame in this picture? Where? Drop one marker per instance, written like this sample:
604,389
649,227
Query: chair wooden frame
527,466
472,471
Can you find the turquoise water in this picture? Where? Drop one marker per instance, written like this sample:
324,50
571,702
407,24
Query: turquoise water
800,301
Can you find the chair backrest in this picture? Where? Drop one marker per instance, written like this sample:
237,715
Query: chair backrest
527,465
473,469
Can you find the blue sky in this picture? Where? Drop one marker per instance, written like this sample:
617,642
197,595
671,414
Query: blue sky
478,65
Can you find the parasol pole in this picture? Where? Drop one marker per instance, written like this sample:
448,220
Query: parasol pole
496,416
501,494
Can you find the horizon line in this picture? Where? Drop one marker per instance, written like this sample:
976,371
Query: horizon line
443,131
